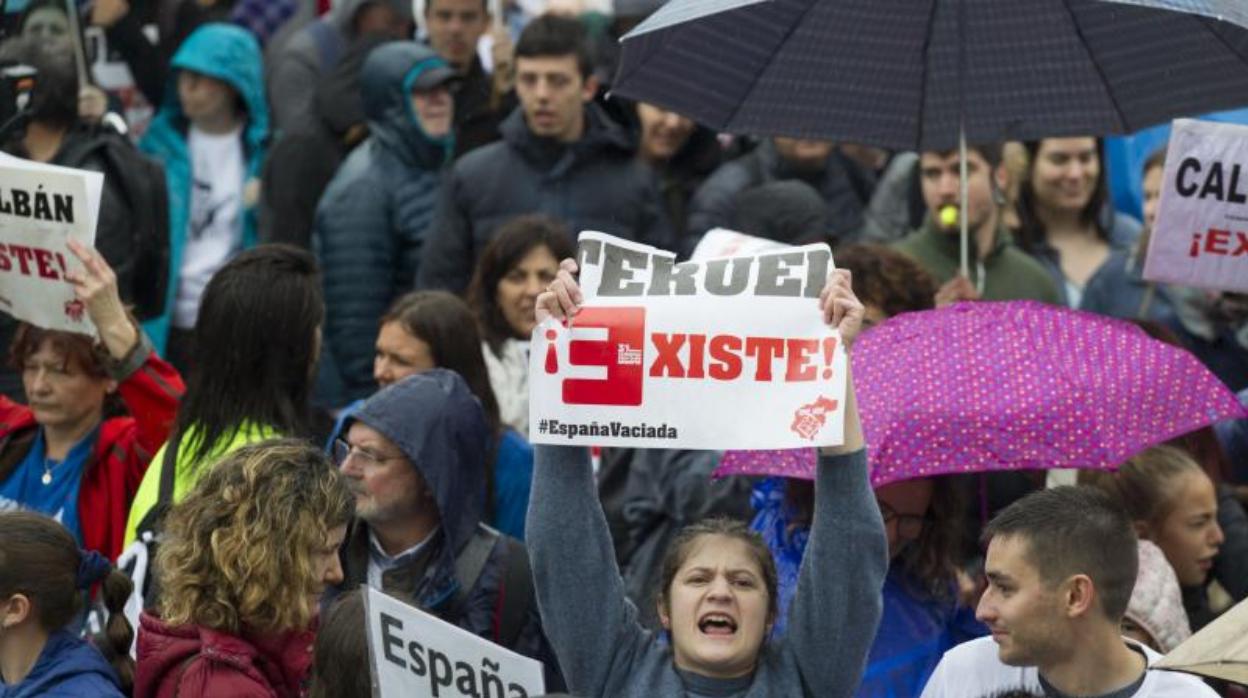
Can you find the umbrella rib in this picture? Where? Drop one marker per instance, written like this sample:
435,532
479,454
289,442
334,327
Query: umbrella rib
1122,121
758,76
1208,26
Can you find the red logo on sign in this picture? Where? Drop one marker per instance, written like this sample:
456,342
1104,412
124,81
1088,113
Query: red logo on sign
622,353
809,419
74,310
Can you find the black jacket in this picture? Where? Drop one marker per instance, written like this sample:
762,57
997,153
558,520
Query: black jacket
477,117
595,183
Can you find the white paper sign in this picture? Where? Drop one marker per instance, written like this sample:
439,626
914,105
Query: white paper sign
1201,234
725,353
721,242
415,655
42,206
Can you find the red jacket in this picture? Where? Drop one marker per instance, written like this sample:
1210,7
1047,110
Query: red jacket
121,453
189,661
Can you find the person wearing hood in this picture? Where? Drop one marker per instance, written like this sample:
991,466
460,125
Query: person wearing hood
297,66
371,222
560,155
414,455
210,135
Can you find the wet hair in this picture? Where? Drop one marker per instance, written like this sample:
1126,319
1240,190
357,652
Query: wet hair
255,348
550,36
447,325
342,643
1144,484
681,547
887,279
1075,530
514,240
238,550
1031,232
80,352
40,559
992,153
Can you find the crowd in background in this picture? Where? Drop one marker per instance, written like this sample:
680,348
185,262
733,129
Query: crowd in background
316,270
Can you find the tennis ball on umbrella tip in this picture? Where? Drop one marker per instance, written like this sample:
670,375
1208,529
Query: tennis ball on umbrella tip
948,216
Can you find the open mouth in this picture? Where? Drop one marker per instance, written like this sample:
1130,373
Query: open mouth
719,624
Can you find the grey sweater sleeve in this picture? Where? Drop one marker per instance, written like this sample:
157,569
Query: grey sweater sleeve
836,608
586,616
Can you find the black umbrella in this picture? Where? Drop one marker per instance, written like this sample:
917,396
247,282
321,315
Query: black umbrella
918,74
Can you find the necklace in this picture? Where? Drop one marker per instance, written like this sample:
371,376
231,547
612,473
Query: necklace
46,479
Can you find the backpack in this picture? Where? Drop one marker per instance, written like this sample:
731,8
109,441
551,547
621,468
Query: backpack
511,608
141,181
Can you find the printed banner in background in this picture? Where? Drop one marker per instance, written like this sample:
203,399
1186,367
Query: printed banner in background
1201,234
42,206
716,354
415,655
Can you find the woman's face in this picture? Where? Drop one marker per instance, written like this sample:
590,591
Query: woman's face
663,133
1152,194
717,611
1065,173
399,355
1189,535
61,394
517,291
326,568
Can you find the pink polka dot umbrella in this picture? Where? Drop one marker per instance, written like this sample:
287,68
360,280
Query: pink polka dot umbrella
1018,385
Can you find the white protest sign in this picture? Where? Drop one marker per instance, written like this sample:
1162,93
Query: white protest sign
42,206
721,242
415,655
729,353
1201,234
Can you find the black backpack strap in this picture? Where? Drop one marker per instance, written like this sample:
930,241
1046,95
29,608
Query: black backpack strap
516,593
471,560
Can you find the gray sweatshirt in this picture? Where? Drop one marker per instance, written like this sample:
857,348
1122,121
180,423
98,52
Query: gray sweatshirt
603,651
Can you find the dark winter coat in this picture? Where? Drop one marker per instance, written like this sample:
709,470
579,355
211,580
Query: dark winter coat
371,222
67,668
477,117
595,183
845,188
437,423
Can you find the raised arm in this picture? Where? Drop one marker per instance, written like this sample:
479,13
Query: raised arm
837,606
584,611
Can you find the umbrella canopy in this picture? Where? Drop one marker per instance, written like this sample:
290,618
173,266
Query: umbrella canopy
1219,650
906,74
1018,385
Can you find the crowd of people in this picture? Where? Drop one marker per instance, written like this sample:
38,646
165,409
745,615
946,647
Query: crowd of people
315,274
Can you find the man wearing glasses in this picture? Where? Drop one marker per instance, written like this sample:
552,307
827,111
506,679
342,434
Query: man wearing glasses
415,456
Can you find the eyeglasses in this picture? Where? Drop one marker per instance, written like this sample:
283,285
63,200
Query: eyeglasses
909,526
341,451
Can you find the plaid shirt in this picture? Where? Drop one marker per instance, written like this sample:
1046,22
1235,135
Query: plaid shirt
263,17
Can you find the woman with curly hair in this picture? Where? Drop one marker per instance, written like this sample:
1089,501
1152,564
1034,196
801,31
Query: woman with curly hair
245,560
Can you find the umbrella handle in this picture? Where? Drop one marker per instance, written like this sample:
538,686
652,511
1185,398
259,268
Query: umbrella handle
965,236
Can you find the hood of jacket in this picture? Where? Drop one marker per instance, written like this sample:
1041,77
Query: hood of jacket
279,661
344,12
67,666
386,87
602,134
438,423
231,55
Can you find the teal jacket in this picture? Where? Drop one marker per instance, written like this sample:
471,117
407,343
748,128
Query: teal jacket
230,54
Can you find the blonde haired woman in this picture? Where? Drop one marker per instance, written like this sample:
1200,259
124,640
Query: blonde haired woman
246,558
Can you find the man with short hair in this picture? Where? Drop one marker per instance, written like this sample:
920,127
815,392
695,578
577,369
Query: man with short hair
1061,565
999,270
844,185
415,455
455,27
560,155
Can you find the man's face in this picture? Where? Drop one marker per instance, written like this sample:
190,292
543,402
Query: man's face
386,485
204,98
941,180
1024,613
804,155
454,27
553,95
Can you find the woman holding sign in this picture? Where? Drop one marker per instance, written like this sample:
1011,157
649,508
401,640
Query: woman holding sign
74,453
717,600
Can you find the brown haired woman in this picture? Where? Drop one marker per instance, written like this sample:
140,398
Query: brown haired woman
717,603
246,558
60,455
43,575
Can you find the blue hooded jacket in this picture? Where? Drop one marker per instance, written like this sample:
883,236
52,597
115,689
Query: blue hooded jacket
67,668
230,54
370,224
